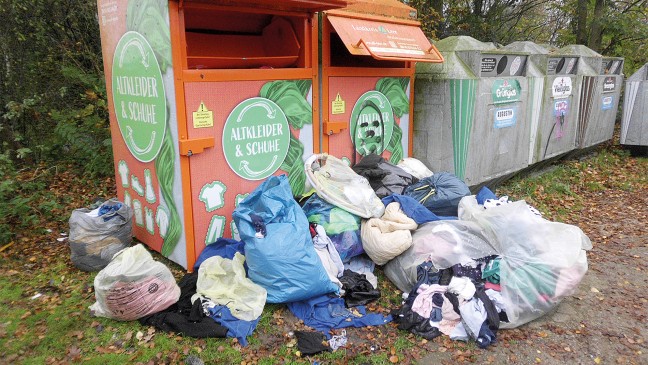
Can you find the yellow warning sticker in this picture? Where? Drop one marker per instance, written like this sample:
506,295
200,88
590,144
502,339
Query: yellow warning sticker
337,105
203,117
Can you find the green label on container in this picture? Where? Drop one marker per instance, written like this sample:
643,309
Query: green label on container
372,123
256,138
139,97
506,91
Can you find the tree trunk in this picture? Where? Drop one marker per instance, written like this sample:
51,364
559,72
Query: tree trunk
581,22
596,31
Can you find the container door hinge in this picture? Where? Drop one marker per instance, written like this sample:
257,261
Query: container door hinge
190,147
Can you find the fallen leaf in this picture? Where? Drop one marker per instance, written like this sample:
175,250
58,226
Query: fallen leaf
393,359
597,360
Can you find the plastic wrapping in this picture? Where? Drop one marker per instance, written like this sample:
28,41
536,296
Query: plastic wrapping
415,167
387,237
95,239
342,227
133,285
339,185
224,282
542,261
278,246
445,243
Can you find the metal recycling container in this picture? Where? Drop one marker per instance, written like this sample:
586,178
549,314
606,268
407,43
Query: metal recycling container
536,73
634,124
206,99
369,52
471,111
600,90
558,123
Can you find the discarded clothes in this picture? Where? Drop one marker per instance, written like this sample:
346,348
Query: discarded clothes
357,289
324,313
384,178
184,317
311,343
413,209
341,227
223,247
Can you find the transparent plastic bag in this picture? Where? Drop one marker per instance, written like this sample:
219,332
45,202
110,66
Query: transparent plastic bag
444,243
224,282
133,285
342,227
542,261
95,238
339,185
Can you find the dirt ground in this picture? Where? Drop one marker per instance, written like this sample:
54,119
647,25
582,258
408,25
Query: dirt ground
606,321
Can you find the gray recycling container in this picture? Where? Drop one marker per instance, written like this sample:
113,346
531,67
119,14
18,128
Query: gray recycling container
555,134
634,124
469,112
600,89
536,72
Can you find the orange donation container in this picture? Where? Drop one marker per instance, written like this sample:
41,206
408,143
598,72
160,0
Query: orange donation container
206,99
368,57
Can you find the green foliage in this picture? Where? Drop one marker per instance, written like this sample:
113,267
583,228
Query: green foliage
52,93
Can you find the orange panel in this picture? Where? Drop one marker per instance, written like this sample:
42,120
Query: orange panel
288,5
384,40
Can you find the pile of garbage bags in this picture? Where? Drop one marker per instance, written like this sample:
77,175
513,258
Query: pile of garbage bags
468,265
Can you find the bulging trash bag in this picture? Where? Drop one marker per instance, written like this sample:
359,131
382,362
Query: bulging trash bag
339,185
224,282
133,285
440,193
388,236
541,261
278,246
444,243
342,227
97,235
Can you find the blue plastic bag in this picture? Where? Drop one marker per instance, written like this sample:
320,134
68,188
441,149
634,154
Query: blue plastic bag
279,249
342,227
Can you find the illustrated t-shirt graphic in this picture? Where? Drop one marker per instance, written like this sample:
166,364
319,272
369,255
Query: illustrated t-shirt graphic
139,214
213,195
162,220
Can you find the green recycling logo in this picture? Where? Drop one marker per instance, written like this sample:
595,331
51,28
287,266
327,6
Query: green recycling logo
372,123
256,138
139,96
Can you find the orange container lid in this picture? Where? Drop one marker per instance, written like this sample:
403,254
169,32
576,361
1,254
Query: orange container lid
391,9
285,5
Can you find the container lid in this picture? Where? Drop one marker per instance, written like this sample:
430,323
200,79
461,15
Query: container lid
525,47
285,5
462,43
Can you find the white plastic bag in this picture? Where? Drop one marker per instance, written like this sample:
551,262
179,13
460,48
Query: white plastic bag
388,236
339,185
133,285
415,167
224,282
541,263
